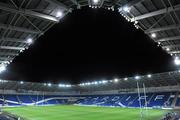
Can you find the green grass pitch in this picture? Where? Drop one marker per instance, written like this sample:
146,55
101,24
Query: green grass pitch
67,112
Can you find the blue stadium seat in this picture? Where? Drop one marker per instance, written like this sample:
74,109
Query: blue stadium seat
161,99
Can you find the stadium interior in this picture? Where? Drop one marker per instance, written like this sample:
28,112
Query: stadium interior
24,21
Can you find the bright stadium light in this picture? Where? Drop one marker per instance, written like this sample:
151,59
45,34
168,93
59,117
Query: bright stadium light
21,82
116,80
60,85
2,68
49,84
68,86
59,14
177,61
126,9
167,49
137,77
29,40
149,75
100,82
104,81
125,79
153,35
95,82
95,1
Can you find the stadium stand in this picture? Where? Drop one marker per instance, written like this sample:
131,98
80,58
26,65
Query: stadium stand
178,102
160,99
99,93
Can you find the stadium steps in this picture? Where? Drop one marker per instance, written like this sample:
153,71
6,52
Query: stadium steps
175,100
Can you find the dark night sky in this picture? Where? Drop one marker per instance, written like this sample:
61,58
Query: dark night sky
89,44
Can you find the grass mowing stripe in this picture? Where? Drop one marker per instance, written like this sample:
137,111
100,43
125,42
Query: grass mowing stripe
65,112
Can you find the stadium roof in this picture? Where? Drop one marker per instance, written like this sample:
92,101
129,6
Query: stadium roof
22,22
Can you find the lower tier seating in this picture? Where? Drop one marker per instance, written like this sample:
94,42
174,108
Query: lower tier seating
161,99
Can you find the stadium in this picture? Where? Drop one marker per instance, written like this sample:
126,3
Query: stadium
145,97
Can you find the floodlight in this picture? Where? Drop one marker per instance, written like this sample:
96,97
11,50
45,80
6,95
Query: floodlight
59,14
68,86
167,49
153,35
126,9
21,82
149,75
116,80
95,1
136,22
137,77
95,82
100,82
104,81
125,79
49,84
29,40
2,68
177,61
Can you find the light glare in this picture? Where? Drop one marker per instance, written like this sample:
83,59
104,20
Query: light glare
2,68
95,1
137,77
49,84
126,9
177,61
21,82
59,14
116,80
149,76
153,35
167,49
